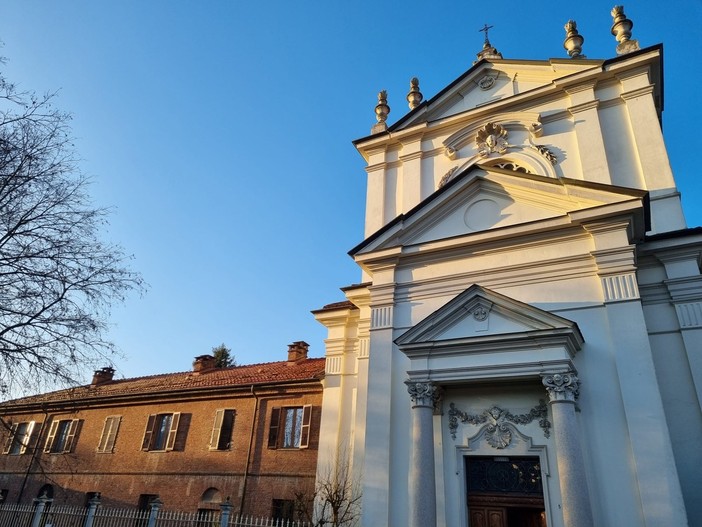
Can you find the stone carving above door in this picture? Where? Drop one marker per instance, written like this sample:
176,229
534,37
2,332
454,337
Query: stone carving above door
496,421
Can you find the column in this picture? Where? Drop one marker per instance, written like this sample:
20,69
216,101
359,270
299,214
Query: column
563,391
422,484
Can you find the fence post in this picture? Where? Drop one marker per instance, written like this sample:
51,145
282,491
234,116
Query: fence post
226,508
153,513
92,509
41,502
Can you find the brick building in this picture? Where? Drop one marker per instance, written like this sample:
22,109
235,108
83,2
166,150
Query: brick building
192,439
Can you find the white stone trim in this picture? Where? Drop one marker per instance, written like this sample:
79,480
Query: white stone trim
333,365
381,317
363,348
617,288
689,314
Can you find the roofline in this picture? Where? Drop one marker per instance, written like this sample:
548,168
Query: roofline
603,63
143,398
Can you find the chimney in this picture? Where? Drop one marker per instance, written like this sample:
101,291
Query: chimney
203,363
102,376
297,351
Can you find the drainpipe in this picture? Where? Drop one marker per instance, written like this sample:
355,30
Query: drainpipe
248,452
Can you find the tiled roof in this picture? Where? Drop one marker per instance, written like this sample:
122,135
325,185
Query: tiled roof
258,374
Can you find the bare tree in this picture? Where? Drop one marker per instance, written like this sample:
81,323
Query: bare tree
336,500
57,278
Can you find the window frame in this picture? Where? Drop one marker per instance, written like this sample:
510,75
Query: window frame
276,431
108,437
13,439
153,424
222,427
62,436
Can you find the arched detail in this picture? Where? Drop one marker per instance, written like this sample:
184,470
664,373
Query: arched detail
210,499
511,121
46,491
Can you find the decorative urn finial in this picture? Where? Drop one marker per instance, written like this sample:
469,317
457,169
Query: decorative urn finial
621,29
414,97
573,42
381,113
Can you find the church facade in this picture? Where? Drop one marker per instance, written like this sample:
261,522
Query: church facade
525,345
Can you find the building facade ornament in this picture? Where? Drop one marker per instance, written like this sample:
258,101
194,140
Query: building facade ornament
424,393
491,138
447,177
497,431
562,386
573,42
546,153
621,29
487,81
382,110
414,97
489,51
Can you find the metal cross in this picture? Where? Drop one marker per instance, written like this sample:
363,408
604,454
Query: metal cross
485,29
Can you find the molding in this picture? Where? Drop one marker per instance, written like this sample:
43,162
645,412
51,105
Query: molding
689,314
382,317
497,432
618,288
639,92
363,348
578,108
333,365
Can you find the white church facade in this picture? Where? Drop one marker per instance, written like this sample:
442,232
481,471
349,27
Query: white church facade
525,345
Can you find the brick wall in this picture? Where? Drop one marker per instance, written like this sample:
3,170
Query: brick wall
181,476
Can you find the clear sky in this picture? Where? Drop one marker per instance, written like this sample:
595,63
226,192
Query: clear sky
220,133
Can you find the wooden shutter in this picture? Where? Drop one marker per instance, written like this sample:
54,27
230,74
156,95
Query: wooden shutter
27,439
71,435
148,433
306,421
273,430
51,436
216,430
170,442
112,437
10,439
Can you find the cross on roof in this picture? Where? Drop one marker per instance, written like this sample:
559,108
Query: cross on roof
485,29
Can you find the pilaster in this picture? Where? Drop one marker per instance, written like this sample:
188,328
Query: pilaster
588,131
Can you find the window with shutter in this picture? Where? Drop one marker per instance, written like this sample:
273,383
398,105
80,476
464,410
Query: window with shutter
221,436
10,439
106,445
148,433
306,421
172,431
274,427
62,436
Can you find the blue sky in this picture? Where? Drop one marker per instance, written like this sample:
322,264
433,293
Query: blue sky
220,133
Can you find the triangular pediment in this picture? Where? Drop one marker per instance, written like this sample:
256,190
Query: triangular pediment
485,319
491,81
485,199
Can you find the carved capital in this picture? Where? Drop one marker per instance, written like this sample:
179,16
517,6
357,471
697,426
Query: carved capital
562,386
424,393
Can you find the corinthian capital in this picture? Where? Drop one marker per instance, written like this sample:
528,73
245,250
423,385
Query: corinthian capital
424,393
561,386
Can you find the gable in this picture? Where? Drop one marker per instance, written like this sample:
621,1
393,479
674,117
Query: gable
491,81
484,198
482,334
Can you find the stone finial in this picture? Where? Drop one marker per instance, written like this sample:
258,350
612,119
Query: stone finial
414,97
573,42
488,51
621,29
381,113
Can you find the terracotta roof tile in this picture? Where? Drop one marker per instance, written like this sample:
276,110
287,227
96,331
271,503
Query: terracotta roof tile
264,373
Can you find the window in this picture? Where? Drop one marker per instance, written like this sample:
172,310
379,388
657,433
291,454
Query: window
19,438
161,430
106,445
283,510
222,430
62,436
290,427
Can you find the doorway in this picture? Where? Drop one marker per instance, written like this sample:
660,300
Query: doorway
505,491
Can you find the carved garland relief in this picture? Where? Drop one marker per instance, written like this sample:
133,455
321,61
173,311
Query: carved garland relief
497,431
